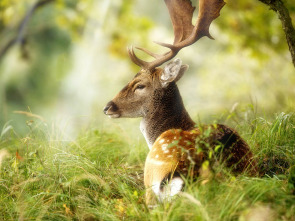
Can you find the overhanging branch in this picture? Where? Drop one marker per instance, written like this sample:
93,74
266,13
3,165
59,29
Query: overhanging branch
19,38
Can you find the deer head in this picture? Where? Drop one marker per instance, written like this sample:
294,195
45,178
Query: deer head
140,95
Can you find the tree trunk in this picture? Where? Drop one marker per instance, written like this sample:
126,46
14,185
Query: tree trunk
283,13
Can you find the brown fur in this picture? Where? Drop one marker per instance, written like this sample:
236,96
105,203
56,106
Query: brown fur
165,119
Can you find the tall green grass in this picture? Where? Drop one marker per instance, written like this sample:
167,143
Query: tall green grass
99,176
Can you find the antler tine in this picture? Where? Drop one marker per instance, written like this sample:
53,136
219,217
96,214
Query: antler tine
181,13
148,52
136,60
166,45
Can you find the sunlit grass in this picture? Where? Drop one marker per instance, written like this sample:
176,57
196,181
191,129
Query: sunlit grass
99,176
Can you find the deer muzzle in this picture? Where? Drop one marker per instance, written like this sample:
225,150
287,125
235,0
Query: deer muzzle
111,109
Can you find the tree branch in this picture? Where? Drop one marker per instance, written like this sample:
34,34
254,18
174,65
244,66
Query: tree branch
19,38
283,13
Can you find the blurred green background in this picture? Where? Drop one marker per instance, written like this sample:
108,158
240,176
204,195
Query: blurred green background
69,59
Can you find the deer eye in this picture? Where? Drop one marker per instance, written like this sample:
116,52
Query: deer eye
140,86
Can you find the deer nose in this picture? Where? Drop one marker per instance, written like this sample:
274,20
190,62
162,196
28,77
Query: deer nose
106,108
111,106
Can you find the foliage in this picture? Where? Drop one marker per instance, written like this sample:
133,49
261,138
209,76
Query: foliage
99,177
251,25
126,29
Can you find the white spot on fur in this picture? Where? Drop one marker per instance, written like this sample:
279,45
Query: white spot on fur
164,146
161,141
157,156
170,156
167,151
156,162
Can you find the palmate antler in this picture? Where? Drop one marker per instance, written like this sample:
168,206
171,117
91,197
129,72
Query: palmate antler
185,34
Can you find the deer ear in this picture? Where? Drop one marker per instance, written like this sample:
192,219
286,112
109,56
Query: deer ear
172,72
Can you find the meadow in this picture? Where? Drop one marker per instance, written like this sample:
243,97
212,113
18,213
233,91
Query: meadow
99,176
64,60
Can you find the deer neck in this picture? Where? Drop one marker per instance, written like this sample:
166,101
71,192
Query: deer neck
166,112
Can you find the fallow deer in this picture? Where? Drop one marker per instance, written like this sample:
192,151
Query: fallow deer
177,146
